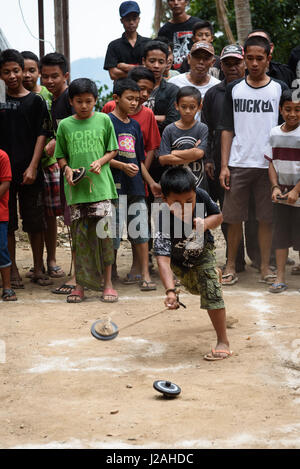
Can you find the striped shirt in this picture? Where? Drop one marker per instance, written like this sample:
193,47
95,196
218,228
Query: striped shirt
285,156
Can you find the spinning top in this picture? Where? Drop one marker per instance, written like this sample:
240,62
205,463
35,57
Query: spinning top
167,388
104,329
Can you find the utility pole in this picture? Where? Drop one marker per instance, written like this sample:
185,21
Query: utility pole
41,28
61,20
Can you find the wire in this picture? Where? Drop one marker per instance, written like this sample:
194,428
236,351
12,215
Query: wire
34,37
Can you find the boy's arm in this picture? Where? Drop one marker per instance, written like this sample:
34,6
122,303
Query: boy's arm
130,169
4,186
191,154
29,175
96,165
149,159
275,189
226,142
116,73
167,278
154,186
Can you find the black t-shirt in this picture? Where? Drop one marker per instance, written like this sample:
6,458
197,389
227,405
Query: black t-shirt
172,234
294,61
61,108
120,50
180,34
22,121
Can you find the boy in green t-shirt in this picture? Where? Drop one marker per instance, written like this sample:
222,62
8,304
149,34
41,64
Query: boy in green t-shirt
87,140
51,171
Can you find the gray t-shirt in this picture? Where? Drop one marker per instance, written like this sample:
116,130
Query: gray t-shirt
174,138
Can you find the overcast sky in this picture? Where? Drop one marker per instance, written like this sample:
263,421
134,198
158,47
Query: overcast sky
93,24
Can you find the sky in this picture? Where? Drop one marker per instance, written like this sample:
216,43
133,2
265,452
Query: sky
93,24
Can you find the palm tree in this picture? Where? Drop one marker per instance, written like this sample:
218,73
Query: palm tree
223,20
243,19
158,15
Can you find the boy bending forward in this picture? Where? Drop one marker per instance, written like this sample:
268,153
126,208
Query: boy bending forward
178,223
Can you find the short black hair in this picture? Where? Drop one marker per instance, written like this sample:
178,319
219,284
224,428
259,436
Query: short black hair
258,41
11,55
55,58
123,84
189,91
287,95
155,45
203,24
165,40
141,73
27,54
178,180
260,31
82,85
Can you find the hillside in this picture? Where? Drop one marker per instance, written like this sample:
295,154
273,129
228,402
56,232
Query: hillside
91,68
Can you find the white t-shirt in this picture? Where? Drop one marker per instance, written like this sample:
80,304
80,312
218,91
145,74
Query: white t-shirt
251,113
182,80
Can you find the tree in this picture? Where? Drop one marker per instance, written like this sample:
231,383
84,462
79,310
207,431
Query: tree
243,19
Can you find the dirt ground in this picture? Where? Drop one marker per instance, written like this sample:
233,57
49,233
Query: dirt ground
62,388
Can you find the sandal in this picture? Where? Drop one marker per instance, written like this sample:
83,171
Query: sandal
147,286
30,273
268,279
109,295
64,289
42,280
295,270
55,271
132,279
8,294
213,355
77,296
278,287
234,279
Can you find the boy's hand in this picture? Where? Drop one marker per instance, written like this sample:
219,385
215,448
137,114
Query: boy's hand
276,191
292,196
199,225
210,170
29,176
131,169
225,178
69,175
50,147
171,301
95,167
156,189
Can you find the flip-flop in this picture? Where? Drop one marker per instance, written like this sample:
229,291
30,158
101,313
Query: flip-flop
109,292
132,279
30,273
42,280
212,355
55,271
77,295
147,286
8,294
268,279
278,287
64,289
234,278
295,270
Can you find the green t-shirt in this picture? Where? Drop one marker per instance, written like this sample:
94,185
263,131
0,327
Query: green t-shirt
80,142
47,160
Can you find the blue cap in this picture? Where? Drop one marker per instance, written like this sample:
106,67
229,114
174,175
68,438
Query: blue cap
129,7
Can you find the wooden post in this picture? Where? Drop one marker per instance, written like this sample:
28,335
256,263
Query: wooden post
59,33
41,28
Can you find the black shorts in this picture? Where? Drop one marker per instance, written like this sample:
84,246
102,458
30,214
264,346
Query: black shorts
30,206
286,227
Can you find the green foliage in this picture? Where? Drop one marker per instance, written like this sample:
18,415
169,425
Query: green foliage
280,18
103,96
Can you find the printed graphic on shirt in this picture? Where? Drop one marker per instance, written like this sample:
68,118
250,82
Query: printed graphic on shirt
182,143
181,41
253,105
126,145
84,141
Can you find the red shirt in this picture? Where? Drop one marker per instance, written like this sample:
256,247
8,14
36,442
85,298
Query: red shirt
5,175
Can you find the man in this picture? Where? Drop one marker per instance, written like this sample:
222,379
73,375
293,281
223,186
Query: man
233,68
125,53
179,30
294,61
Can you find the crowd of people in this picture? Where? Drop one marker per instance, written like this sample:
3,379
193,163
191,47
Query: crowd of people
185,129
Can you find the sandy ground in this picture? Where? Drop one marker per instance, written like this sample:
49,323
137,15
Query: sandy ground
62,388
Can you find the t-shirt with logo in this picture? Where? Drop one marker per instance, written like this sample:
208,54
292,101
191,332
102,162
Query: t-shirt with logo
251,113
81,142
131,150
180,34
5,175
174,138
285,156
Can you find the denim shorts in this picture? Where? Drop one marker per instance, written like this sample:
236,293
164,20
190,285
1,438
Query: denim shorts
4,254
133,211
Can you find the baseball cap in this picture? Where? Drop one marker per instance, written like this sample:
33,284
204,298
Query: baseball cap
233,50
203,46
129,7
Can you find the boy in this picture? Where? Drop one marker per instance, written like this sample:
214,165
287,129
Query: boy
284,173
55,75
251,109
190,213
125,53
200,59
8,293
129,171
179,30
50,168
24,126
203,31
87,140
184,142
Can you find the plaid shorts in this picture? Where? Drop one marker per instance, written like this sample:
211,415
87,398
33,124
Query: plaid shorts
52,201
203,279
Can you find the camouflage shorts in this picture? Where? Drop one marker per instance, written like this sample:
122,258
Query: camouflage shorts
203,280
